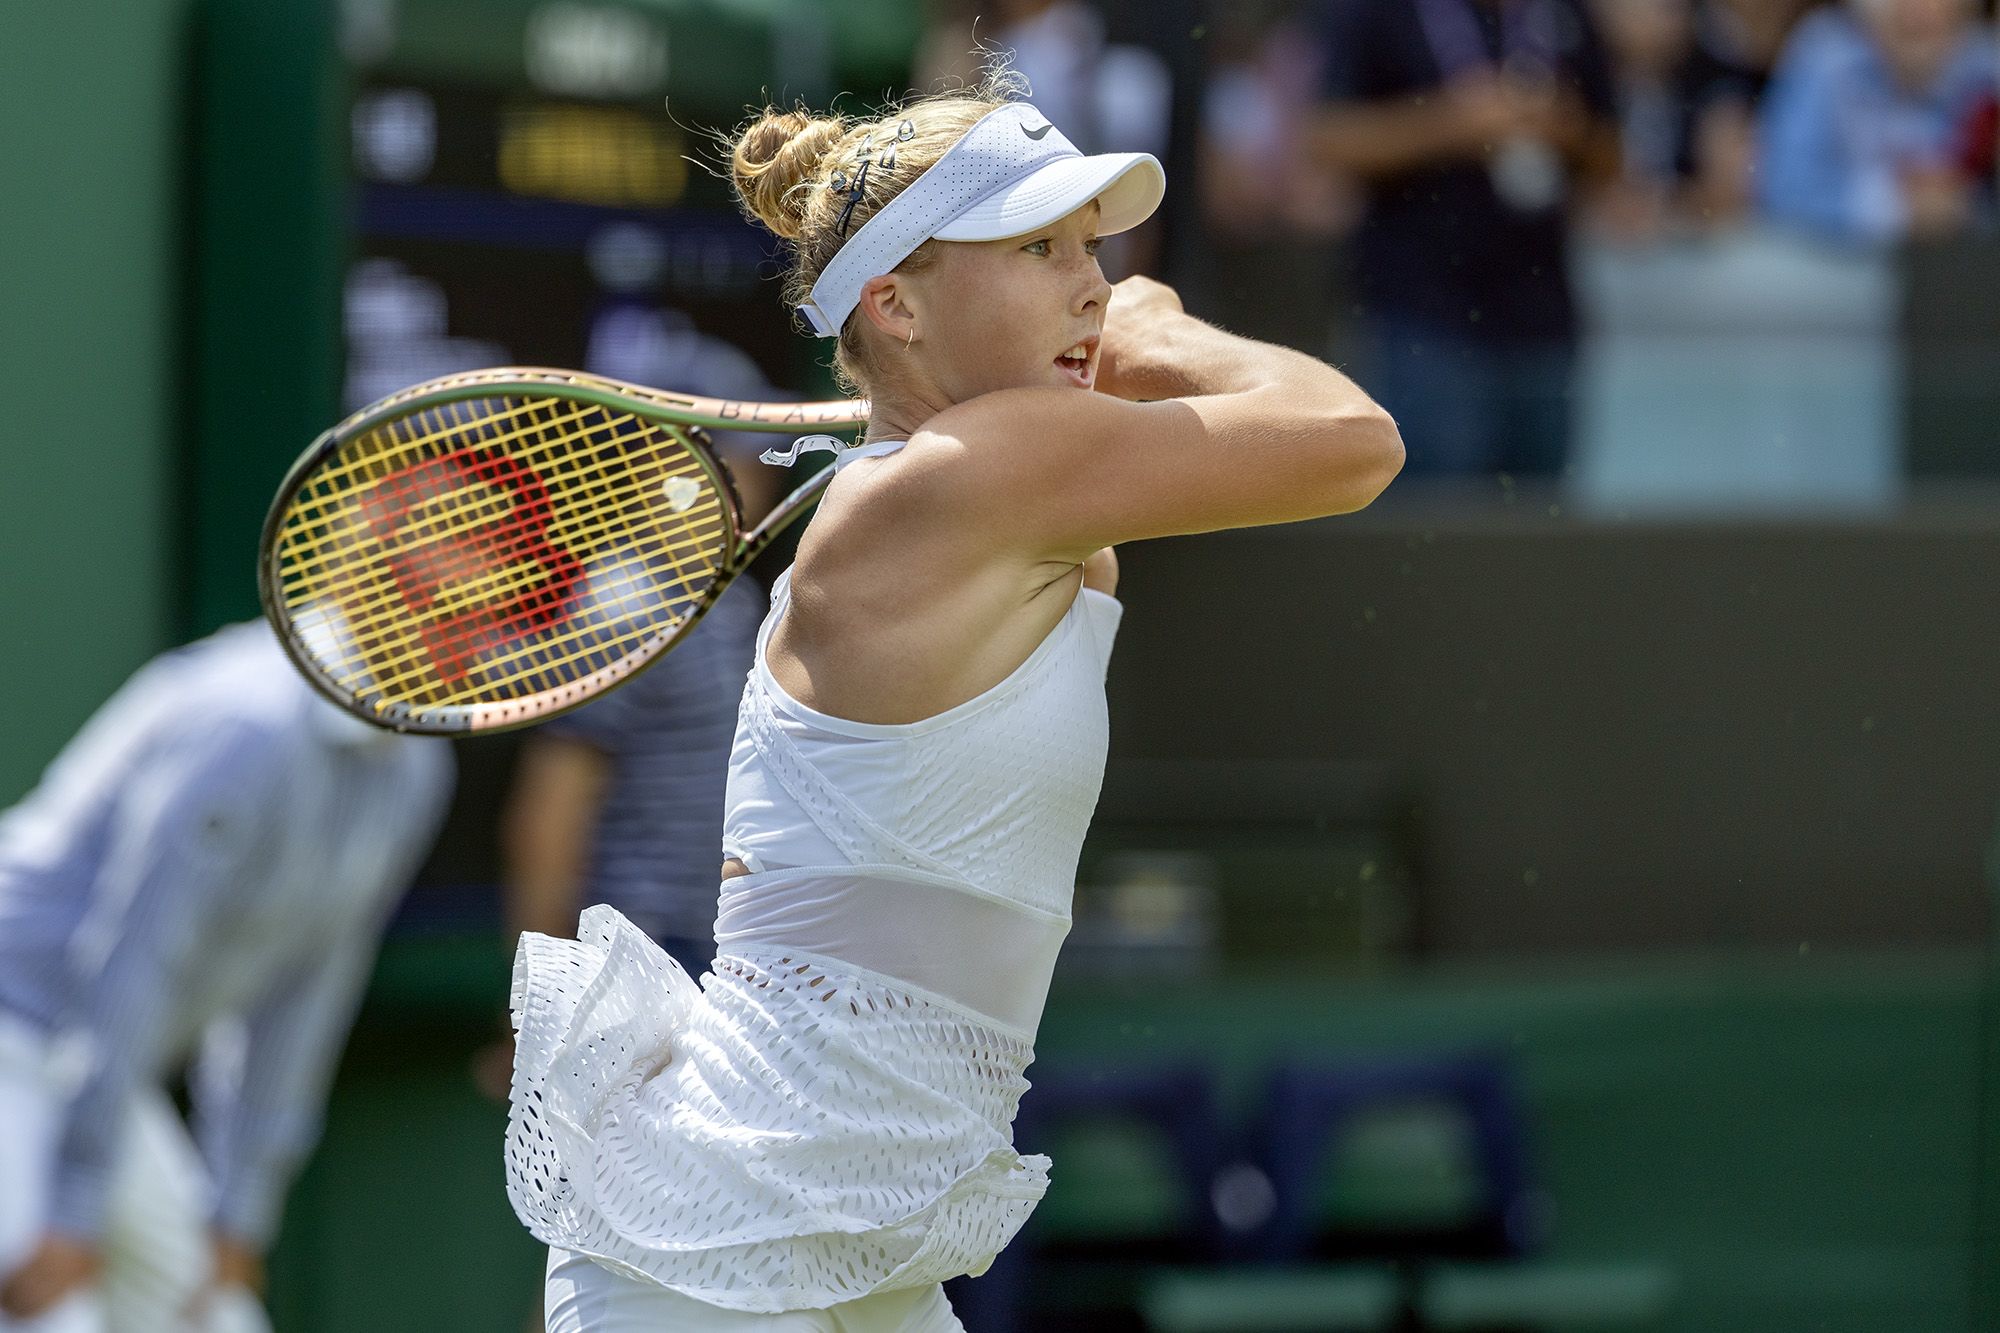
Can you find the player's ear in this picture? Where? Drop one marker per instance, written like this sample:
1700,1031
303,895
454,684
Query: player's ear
887,303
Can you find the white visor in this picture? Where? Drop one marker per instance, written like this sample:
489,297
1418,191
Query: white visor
1010,173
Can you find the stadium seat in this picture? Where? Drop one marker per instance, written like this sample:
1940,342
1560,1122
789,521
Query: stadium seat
1310,1108
1178,1103
1571,1298
1353,1299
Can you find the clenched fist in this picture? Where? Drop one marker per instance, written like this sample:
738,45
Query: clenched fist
1138,325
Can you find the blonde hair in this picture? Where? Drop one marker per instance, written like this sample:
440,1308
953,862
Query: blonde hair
793,171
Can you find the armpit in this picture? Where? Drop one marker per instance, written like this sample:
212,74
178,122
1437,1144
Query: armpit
1100,571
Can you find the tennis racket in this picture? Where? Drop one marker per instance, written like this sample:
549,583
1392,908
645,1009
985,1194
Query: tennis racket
486,550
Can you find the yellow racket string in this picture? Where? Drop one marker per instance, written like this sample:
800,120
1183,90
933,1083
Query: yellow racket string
317,579
298,546
313,576
303,565
337,483
373,637
383,596
603,500
416,658
397,670
332,476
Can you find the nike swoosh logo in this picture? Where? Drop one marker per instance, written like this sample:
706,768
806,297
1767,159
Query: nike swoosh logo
1036,134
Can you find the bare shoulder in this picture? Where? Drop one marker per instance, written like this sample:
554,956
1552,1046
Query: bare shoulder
996,458
901,607
1056,474
1022,432
994,475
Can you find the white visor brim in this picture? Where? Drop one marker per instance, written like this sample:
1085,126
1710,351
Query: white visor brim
1127,186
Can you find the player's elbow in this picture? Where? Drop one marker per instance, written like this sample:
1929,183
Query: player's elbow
1368,454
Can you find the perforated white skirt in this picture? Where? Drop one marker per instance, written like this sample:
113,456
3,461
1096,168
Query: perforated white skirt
789,1135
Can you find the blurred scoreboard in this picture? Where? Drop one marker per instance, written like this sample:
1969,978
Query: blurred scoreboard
387,190
538,185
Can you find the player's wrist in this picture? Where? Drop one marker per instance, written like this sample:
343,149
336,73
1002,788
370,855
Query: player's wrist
1184,357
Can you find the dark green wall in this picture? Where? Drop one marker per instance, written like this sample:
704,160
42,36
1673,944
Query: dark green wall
268,238
1628,736
91,99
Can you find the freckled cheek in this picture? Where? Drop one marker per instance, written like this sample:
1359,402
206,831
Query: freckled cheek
1003,328
981,358
1007,330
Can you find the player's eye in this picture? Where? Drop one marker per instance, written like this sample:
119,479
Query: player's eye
1090,246
1040,249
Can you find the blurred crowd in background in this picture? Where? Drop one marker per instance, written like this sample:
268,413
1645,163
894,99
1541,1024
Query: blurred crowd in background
1452,172
1861,121
1670,255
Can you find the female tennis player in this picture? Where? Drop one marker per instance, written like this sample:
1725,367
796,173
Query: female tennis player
820,1133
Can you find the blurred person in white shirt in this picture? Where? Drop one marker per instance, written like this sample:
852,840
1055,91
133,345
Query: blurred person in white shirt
203,876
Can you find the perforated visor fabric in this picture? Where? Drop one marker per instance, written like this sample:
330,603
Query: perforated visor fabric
1126,192
1012,171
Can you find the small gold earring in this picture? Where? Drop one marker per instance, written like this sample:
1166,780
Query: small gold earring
911,340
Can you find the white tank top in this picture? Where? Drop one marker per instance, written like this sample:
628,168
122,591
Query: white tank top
975,816
830,1113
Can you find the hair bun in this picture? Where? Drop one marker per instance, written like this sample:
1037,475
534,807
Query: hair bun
775,159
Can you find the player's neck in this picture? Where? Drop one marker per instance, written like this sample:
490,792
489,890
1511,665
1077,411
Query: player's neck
895,414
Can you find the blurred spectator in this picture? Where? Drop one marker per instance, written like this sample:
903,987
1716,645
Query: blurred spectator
1257,180
208,864
635,339
1748,35
1878,124
1686,128
620,802
1107,96
1470,123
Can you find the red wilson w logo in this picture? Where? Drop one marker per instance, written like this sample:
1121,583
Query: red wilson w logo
429,553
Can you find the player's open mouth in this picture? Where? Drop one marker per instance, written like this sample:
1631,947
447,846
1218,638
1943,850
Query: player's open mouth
1076,362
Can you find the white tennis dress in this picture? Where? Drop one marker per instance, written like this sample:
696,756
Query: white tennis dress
829,1113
